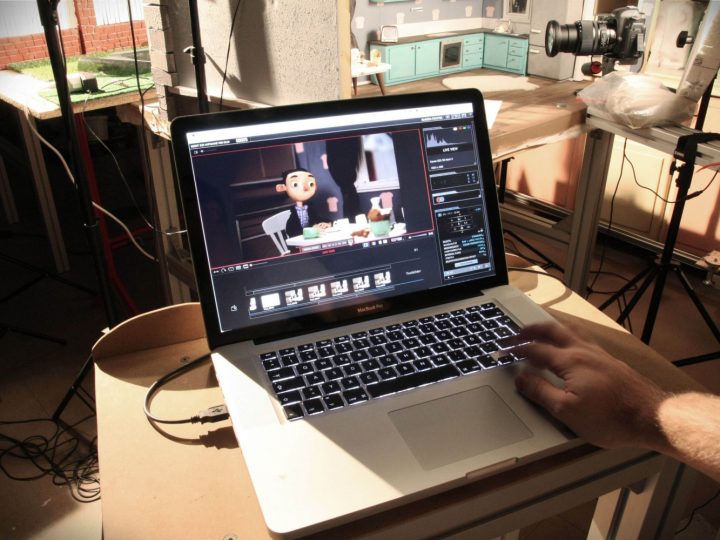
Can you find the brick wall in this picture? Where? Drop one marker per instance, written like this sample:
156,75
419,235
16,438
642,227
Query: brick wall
88,37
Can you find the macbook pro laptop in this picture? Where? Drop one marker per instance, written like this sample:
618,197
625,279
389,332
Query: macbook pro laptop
350,266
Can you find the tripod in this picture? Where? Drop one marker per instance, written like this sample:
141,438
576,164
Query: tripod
685,151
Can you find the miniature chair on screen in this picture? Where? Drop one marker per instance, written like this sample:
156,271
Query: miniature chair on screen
274,227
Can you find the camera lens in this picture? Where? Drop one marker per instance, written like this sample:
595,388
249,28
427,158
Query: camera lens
560,38
582,38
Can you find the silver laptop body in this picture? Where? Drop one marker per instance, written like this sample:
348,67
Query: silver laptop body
397,266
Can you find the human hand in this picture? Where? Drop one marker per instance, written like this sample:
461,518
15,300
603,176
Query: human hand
603,400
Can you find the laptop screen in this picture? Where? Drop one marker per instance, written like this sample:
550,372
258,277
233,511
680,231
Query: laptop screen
311,215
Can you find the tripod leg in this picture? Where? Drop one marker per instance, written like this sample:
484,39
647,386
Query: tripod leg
31,333
638,294
75,389
624,289
655,303
698,304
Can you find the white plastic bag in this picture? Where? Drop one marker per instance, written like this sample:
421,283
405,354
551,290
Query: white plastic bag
636,100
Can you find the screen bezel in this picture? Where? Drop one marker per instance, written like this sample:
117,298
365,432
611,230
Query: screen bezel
344,315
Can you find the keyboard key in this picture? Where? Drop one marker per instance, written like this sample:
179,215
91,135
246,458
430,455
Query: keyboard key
361,343
304,368
341,360
357,395
269,355
306,347
420,378
351,369
333,401
376,351
280,374
286,398
314,378
387,373
288,384
369,377
405,369
489,347
306,356
310,392
314,406
393,347
378,340
357,356
349,382
293,412
440,360
440,347
503,332
422,352
389,360
289,360
422,364
468,366
370,365
330,387
271,363
488,362
411,343
286,352
405,356
323,363
491,313
334,373
343,347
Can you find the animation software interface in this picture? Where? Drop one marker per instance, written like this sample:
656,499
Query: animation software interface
431,230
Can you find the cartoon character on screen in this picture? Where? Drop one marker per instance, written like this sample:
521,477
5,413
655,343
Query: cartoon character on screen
300,185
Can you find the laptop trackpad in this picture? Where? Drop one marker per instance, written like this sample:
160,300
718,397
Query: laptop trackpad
459,426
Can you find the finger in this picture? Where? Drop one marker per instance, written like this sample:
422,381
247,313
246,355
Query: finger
539,391
546,356
552,333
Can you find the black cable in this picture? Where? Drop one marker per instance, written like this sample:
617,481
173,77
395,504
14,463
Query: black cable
213,414
692,514
227,54
151,223
58,456
667,201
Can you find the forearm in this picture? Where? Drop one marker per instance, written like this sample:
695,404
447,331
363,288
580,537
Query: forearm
690,424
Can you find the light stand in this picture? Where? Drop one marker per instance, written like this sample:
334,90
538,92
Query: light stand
197,53
49,19
686,151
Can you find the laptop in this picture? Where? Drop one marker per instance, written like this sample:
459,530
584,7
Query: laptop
350,267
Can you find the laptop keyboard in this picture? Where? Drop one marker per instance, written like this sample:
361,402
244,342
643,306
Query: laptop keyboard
330,374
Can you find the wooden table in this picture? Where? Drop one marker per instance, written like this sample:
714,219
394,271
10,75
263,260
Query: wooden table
190,481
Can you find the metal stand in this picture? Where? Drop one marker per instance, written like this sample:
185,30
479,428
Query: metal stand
49,19
197,53
686,151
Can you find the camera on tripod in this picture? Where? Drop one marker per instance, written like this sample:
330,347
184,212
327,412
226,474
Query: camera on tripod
619,36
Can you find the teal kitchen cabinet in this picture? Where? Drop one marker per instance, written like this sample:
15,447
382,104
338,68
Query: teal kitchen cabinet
473,46
427,58
495,51
411,61
506,53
